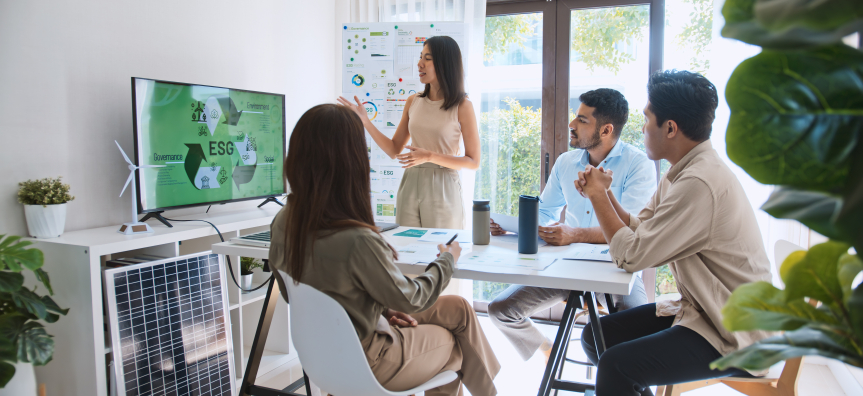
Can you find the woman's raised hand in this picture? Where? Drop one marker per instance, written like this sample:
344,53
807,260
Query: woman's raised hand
357,108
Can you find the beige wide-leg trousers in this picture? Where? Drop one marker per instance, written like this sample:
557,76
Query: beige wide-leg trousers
448,337
430,196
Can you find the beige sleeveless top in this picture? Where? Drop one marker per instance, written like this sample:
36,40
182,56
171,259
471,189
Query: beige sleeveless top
432,128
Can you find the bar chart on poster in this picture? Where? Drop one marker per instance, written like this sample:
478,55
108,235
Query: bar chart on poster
379,67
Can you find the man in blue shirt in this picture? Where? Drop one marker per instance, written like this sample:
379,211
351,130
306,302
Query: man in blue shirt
595,136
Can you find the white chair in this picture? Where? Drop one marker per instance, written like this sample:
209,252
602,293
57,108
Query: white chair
782,378
329,349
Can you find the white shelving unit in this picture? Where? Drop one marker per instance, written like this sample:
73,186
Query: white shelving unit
74,262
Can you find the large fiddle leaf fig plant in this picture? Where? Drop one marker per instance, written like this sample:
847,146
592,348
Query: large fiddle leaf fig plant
22,336
797,123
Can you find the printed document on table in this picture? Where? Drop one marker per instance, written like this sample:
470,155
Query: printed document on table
586,251
423,253
469,261
508,223
443,236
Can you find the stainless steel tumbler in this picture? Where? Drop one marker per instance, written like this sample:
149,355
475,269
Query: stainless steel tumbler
481,217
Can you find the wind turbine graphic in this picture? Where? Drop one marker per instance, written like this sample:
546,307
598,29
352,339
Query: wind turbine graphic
135,227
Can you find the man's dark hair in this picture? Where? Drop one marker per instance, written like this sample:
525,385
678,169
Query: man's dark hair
610,107
685,97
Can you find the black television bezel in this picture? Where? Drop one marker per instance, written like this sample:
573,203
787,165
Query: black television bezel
135,149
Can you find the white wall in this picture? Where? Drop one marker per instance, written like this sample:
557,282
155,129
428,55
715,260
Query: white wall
65,93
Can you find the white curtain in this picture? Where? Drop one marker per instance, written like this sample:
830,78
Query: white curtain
411,10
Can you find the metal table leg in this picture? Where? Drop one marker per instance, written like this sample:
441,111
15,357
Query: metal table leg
248,387
558,350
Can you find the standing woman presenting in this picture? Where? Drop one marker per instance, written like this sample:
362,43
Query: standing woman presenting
430,193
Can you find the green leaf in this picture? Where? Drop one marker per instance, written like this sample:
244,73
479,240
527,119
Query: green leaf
815,275
851,216
31,302
815,210
849,266
42,276
14,256
823,15
7,371
855,310
35,345
761,355
791,23
796,116
10,281
52,306
761,306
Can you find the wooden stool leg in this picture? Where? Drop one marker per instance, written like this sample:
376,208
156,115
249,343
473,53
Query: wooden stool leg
660,390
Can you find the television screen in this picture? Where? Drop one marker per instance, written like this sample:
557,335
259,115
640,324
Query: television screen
217,144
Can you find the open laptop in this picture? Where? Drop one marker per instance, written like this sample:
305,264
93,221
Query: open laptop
262,239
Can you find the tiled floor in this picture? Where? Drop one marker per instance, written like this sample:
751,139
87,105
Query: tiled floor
520,378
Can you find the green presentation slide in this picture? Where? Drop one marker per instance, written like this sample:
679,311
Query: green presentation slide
217,144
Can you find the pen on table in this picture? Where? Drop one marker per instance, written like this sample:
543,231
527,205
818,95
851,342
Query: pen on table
452,239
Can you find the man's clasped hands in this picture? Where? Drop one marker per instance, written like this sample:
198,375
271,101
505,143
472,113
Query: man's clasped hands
593,181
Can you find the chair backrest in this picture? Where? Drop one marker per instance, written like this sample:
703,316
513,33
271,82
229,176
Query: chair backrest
781,250
327,343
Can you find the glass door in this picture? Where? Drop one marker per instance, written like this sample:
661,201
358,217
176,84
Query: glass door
510,121
513,111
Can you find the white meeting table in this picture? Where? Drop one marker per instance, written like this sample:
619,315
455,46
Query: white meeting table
579,276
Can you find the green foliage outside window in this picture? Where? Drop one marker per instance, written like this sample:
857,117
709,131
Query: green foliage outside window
595,33
510,139
698,34
501,31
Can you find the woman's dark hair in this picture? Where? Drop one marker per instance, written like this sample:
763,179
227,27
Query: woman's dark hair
610,107
446,58
327,168
685,97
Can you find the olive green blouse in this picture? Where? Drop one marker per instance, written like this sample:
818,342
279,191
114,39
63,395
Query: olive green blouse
355,266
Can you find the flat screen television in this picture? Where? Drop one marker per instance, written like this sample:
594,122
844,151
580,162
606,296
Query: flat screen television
218,144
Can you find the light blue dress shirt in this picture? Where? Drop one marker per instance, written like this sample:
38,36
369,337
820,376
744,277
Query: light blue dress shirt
634,182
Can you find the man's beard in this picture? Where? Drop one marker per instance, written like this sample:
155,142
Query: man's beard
587,144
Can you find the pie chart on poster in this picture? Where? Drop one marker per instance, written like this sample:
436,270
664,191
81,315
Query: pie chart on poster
371,110
358,80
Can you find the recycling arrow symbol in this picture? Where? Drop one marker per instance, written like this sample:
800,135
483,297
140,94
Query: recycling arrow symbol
243,174
193,160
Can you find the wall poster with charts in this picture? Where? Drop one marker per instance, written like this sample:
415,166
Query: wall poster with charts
379,66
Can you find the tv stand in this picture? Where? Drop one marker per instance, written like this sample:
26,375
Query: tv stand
158,216
271,199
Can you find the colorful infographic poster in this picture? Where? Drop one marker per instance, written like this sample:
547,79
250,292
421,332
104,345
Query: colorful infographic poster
218,144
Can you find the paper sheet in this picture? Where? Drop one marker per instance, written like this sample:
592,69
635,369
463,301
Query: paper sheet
423,253
443,236
508,223
586,251
505,260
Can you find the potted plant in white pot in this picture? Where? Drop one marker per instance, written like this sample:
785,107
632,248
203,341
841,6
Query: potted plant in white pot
23,339
44,206
247,268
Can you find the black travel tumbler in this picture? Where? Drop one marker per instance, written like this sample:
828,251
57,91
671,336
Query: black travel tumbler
528,224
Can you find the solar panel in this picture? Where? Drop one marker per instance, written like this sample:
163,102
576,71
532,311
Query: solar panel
170,330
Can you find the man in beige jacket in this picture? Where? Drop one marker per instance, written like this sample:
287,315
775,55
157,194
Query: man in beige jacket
701,224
